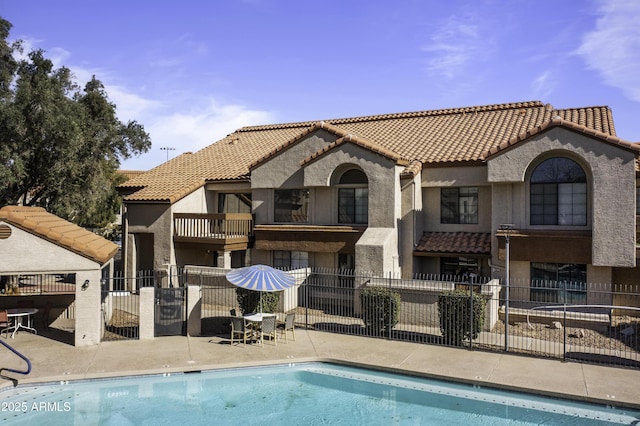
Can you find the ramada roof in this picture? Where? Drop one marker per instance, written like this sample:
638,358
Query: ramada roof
38,221
431,138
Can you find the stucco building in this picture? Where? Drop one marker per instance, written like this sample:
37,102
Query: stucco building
55,265
407,193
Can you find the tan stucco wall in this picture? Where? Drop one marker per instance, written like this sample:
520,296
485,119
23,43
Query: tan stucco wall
431,212
156,219
611,182
196,202
377,251
283,170
24,252
88,327
433,179
383,176
410,224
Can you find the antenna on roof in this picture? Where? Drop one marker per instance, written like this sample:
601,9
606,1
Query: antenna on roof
167,148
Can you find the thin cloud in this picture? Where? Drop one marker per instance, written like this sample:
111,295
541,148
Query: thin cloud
612,47
452,47
190,131
543,85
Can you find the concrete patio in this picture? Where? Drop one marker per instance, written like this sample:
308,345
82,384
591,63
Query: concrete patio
53,360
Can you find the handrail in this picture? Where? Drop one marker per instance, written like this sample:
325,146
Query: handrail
21,356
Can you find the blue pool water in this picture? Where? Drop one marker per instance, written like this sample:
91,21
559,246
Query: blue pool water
304,394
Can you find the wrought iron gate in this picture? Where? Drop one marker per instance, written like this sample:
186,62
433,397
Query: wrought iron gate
170,312
119,310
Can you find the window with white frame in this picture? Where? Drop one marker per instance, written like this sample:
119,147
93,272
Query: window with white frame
558,191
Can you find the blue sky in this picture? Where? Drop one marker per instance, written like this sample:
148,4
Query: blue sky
194,71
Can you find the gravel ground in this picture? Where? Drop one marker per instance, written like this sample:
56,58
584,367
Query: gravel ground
613,338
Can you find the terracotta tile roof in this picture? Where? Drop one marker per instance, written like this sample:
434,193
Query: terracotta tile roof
38,221
371,146
455,243
130,174
412,170
459,136
558,122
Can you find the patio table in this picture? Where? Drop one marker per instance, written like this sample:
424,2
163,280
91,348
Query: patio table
257,320
19,314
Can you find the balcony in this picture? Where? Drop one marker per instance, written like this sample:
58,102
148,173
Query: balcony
222,231
306,237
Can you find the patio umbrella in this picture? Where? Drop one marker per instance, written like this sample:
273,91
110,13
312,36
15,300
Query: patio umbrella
261,278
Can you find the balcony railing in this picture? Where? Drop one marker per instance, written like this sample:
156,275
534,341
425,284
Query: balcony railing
220,228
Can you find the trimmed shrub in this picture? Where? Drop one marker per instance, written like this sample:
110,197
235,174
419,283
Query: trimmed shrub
455,314
380,309
249,300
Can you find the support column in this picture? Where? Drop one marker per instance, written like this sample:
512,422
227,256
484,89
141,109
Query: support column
224,259
147,313
194,308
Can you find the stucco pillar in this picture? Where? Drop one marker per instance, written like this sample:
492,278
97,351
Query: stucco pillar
147,313
88,310
224,260
194,315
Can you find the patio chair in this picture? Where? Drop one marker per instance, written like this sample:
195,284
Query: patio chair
5,323
268,328
240,329
288,325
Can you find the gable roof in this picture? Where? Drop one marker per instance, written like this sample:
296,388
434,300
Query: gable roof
447,136
558,122
38,221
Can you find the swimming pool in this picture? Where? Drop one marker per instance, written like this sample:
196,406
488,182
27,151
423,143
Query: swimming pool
303,394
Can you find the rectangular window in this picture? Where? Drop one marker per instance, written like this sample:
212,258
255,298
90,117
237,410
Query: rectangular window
290,259
291,205
638,201
353,205
459,205
559,203
558,283
460,267
234,203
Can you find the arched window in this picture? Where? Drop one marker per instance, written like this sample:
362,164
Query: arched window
558,193
353,197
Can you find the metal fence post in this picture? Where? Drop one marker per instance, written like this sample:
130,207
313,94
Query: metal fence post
470,315
564,337
389,316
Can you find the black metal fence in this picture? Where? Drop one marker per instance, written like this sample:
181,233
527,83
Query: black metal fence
37,284
121,304
537,320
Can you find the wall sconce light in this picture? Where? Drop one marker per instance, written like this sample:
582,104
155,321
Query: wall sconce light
85,285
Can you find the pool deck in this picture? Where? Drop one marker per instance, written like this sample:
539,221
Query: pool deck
54,361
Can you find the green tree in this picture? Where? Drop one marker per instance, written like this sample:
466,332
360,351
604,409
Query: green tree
60,146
